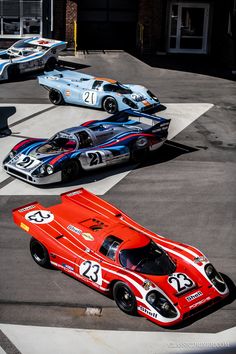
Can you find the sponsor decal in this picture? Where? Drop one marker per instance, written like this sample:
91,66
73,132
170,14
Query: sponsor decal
26,208
200,302
148,312
200,259
68,267
74,193
147,284
87,236
24,227
74,229
194,296
39,217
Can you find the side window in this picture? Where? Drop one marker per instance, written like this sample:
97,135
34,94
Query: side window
109,88
97,85
84,139
110,246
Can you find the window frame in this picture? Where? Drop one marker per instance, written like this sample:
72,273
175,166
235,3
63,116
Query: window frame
22,18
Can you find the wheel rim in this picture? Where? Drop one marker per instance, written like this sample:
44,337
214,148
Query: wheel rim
38,252
110,105
125,298
54,96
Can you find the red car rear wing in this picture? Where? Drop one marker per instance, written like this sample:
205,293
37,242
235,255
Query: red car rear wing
43,222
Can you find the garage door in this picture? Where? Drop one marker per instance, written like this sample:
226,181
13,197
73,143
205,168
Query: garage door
107,24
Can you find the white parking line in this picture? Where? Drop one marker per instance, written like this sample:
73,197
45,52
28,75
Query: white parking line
49,122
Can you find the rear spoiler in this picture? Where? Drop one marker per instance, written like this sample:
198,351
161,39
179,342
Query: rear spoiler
36,220
162,126
43,224
90,201
123,116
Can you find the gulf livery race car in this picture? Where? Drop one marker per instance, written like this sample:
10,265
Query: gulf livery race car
98,244
96,92
89,146
28,55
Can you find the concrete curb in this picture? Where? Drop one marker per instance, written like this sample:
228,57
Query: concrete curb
38,340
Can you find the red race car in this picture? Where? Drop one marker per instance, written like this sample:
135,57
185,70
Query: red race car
93,241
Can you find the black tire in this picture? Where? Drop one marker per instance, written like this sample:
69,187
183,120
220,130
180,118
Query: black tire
124,298
70,171
110,105
56,97
50,64
138,155
39,253
13,72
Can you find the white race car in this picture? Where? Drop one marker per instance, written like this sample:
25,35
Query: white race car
29,54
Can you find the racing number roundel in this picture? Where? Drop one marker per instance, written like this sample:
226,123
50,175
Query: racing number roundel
180,282
39,217
90,97
92,271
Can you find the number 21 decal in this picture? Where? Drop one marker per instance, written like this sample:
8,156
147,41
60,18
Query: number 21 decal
95,158
90,97
92,271
180,282
27,161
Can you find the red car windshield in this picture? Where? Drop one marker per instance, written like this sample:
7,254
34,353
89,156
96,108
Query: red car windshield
150,259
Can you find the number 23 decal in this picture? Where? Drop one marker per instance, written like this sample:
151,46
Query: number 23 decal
180,282
92,271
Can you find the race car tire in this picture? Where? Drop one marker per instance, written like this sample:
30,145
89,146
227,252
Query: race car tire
70,171
138,155
39,253
124,298
56,97
13,71
110,105
50,64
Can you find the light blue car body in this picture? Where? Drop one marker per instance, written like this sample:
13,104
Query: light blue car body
86,90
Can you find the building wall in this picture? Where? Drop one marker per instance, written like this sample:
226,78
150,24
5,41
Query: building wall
152,18
71,15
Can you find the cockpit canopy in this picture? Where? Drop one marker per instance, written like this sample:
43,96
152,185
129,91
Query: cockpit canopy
150,259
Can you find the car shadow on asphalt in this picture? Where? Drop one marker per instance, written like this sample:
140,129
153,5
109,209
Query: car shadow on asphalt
192,63
169,151
62,65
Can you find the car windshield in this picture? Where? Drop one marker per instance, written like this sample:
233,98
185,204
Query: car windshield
150,259
119,88
22,44
58,143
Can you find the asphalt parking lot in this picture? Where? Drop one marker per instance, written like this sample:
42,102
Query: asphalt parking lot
186,191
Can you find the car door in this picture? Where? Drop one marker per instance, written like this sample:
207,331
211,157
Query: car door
94,158
91,271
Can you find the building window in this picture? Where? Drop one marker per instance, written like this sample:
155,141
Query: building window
20,18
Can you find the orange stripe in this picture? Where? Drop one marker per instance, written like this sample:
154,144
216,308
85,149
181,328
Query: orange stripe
146,103
105,79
